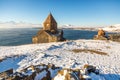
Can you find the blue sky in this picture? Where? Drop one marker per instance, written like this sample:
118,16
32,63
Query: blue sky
76,12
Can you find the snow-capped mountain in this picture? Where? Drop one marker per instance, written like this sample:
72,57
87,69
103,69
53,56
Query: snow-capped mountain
67,26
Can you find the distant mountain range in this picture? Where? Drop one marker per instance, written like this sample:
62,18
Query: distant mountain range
13,24
69,26
113,28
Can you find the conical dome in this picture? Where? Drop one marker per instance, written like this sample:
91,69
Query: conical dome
50,23
50,19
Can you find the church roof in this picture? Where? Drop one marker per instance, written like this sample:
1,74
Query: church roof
50,19
49,33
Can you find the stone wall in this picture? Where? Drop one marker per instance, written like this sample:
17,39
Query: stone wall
96,37
114,37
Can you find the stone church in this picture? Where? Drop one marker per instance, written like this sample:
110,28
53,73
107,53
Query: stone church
49,33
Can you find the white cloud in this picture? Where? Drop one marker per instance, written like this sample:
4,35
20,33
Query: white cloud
13,24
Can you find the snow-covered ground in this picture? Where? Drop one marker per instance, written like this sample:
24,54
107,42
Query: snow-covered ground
113,28
61,54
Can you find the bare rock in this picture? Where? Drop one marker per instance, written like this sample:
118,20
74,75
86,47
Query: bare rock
115,37
6,74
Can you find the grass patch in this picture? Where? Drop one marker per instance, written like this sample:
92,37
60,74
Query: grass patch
89,50
108,47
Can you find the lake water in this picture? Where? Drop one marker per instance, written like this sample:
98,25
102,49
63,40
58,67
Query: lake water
12,37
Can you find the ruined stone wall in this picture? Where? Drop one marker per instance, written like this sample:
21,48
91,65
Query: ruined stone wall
96,37
114,37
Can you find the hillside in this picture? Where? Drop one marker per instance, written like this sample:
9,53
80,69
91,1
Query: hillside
104,55
113,28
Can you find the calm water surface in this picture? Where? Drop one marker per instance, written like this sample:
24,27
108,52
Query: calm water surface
12,37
